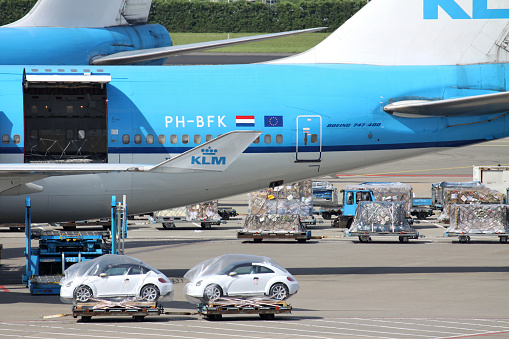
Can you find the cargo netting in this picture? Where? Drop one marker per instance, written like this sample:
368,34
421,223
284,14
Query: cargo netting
387,191
273,223
464,196
485,219
382,217
288,199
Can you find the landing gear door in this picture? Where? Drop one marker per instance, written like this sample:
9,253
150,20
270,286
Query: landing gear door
309,138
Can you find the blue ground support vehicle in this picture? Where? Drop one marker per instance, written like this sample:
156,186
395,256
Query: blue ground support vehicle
351,198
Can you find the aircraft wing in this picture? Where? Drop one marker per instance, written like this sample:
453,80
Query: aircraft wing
458,107
130,57
215,155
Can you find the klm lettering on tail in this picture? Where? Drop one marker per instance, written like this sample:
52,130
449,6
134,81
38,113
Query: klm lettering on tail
479,8
208,158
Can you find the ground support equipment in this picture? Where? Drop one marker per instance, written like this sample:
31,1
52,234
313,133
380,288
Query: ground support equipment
465,237
136,309
365,236
265,308
259,236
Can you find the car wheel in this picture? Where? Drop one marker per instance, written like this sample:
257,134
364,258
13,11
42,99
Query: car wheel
212,292
279,291
149,293
83,293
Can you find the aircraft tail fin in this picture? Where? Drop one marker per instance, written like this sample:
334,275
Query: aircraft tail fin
85,13
418,32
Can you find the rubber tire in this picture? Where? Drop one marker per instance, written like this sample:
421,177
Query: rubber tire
214,317
503,240
86,289
276,290
422,215
139,317
153,293
86,318
325,216
267,316
217,292
301,240
258,240
206,225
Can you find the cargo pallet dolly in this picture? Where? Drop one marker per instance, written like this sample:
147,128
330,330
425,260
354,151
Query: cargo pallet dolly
266,309
365,236
465,237
259,236
138,310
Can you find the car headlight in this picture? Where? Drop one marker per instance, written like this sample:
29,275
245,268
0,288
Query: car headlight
199,283
68,284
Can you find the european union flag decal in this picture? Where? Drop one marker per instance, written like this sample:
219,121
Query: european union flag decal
273,121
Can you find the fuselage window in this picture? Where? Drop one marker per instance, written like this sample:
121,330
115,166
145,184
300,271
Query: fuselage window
16,138
161,139
81,134
185,139
208,137
279,138
197,139
6,138
137,139
126,139
257,140
267,138
314,138
173,138
150,139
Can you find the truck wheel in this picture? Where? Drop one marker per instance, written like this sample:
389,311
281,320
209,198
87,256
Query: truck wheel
335,223
422,215
267,316
503,240
326,215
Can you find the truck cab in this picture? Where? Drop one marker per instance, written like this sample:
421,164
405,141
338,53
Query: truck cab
351,199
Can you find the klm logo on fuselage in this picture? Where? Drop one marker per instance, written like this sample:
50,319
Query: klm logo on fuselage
479,8
208,157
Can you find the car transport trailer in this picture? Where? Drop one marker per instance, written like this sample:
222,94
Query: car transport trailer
138,310
265,308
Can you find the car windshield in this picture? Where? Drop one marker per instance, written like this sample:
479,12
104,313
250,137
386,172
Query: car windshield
224,264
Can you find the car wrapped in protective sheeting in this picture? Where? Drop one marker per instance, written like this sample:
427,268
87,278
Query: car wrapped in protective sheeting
478,219
380,217
114,277
241,276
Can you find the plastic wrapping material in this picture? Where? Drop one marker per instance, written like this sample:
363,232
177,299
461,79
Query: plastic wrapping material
273,223
218,264
239,276
480,219
380,217
203,211
469,195
288,199
89,273
387,191
172,212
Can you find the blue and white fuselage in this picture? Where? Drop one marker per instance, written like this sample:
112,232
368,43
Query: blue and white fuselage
388,84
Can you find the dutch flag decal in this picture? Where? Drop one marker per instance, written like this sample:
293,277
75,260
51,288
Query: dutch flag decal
245,120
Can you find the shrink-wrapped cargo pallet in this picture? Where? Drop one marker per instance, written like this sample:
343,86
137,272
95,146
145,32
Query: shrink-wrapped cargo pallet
273,223
380,217
387,191
288,199
203,211
477,195
478,219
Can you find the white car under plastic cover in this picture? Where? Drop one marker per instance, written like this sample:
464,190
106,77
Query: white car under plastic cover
114,277
240,276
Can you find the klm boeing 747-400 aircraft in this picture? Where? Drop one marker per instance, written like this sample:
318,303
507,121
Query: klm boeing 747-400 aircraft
100,32
399,79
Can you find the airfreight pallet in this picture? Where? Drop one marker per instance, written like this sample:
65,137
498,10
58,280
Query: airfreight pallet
259,236
366,236
266,309
465,237
136,309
